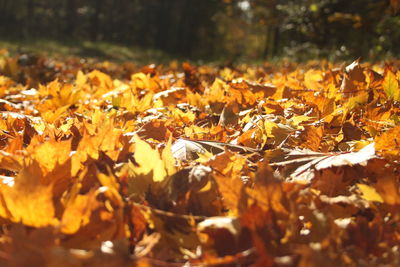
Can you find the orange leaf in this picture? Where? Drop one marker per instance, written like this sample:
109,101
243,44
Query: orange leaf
28,201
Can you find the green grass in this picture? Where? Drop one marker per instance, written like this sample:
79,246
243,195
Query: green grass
107,51
85,49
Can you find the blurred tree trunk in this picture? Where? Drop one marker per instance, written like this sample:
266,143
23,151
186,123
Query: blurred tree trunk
186,29
30,9
271,43
71,17
29,19
95,23
163,38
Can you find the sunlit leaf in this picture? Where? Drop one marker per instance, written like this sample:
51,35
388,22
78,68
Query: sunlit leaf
29,201
283,164
369,193
391,86
149,160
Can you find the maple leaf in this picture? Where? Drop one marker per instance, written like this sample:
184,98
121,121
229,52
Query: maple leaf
59,95
388,142
78,209
150,170
29,201
149,160
391,86
312,79
231,190
98,79
270,165
177,235
98,137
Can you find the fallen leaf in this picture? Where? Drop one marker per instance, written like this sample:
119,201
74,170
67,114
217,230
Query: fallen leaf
29,201
369,193
391,86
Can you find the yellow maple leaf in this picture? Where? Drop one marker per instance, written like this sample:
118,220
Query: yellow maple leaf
391,86
77,212
50,154
99,79
29,201
150,170
312,79
168,158
149,160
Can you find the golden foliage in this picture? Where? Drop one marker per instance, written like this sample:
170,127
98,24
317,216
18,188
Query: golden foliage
274,166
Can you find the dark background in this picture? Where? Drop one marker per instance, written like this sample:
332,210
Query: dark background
215,29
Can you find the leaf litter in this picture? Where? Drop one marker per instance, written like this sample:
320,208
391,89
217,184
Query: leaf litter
102,165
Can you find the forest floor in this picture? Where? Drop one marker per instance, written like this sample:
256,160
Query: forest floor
127,164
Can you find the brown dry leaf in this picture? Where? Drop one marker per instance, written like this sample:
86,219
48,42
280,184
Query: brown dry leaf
329,182
265,90
178,235
171,97
263,233
198,165
229,115
185,149
353,80
232,193
191,78
311,137
216,232
305,163
188,180
137,224
267,192
155,129
21,246
388,188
